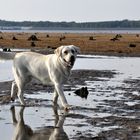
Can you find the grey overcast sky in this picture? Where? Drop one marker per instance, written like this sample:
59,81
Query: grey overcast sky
69,10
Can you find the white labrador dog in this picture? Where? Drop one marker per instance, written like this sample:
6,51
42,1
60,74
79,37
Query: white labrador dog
53,69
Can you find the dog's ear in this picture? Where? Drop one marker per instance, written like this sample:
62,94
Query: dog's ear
77,49
58,50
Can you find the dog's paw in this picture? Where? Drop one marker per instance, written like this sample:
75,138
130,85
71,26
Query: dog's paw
68,107
12,99
23,104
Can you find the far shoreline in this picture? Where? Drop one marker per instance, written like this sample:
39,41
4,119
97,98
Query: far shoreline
70,30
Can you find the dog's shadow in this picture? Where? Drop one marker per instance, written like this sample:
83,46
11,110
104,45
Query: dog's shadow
25,132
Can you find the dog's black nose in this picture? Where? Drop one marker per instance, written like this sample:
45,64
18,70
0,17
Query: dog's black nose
72,58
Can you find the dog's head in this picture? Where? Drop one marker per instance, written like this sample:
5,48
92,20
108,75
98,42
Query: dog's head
67,54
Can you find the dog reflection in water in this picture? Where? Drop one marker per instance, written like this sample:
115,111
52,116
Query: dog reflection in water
24,132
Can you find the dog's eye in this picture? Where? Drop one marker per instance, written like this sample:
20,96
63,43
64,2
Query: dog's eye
72,51
65,52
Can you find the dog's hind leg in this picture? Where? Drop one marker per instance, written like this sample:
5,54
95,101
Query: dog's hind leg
20,85
20,96
55,97
20,81
13,90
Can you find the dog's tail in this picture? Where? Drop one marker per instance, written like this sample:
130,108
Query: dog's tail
7,55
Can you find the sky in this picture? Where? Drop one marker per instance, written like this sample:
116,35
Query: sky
69,10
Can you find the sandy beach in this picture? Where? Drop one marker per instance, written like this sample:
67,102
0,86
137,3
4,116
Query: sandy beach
109,44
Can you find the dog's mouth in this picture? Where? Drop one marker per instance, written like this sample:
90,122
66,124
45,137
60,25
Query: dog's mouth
70,63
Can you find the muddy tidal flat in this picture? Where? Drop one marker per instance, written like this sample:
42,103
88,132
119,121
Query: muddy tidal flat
109,112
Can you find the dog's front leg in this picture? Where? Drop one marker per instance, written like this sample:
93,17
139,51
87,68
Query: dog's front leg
59,90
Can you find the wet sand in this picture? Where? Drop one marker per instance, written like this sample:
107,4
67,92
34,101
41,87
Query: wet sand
120,120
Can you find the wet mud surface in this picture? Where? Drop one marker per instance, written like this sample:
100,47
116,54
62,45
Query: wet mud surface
111,111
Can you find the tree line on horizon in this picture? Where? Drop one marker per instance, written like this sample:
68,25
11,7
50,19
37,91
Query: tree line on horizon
82,25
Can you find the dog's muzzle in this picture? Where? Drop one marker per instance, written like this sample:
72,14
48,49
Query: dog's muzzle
70,63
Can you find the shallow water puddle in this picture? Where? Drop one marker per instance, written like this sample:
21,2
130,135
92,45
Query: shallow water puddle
6,70
107,98
128,67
